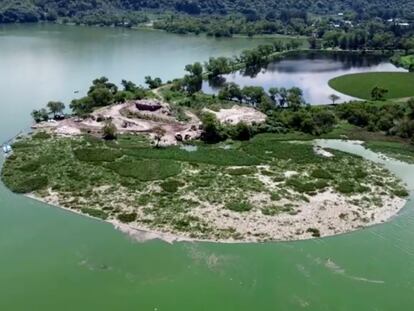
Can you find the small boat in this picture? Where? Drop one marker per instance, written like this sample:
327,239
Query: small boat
7,149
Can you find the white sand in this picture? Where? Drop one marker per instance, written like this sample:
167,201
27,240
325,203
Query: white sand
329,212
238,114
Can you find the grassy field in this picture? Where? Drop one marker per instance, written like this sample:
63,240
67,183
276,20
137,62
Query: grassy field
360,85
160,188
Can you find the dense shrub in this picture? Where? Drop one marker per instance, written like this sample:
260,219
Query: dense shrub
94,213
146,170
238,206
171,185
27,184
127,217
315,232
320,173
97,154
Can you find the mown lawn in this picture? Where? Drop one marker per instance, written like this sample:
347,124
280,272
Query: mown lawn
360,85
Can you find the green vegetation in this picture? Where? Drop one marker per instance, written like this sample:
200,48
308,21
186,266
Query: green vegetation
145,170
397,150
361,85
127,217
405,61
366,25
171,185
239,206
97,154
103,93
165,188
27,184
109,131
315,232
94,213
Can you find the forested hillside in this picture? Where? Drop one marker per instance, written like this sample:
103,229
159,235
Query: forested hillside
35,10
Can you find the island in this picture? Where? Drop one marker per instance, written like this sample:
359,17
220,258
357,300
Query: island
172,162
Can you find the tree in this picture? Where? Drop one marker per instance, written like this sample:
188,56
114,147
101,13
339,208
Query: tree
324,120
408,45
55,107
218,66
101,97
266,104
295,98
405,128
283,97
212,131
273,94
334,98
378,93
109,131
159,133
103,83
253,94
153,83
314,43
230,91
40,115
193,81
82,106
242,131
129,86
252,58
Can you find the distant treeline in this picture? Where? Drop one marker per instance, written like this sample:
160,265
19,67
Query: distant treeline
251,10
348,25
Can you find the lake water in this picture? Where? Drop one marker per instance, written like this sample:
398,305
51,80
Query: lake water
51,259
311,73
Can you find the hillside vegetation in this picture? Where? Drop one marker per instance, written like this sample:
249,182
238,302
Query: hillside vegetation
34,10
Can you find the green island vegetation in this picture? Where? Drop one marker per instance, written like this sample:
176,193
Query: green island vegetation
171,189
201,187
375,85
364,85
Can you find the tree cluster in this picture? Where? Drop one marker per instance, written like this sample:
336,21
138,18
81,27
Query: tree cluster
104,93
256,96
55,108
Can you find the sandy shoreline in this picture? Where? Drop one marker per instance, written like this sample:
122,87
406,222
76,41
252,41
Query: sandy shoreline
140,233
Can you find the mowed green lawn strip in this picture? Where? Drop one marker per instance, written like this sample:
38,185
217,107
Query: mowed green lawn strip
360,85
